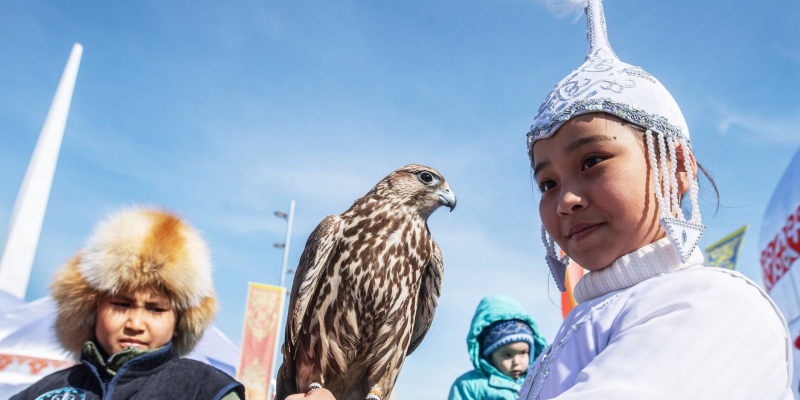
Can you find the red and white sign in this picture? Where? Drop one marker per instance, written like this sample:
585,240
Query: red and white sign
782,251
779,244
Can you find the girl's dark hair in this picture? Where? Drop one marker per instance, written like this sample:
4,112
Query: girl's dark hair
711,181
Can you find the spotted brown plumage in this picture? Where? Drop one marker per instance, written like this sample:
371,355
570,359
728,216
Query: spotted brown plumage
366,289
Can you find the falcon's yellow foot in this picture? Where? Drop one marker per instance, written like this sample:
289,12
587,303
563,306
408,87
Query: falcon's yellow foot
374,395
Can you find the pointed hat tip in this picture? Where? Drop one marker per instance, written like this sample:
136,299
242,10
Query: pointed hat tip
596,28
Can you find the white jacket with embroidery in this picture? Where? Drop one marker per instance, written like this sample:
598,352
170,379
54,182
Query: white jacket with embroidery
649,327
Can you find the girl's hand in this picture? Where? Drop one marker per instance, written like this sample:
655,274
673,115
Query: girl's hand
316,394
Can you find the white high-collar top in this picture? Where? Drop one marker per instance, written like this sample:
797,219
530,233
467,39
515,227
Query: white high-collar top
650,327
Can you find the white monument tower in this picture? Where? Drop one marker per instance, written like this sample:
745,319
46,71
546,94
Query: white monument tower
31,203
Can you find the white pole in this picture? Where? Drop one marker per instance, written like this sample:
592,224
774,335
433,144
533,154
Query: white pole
276,352
286,243
29,208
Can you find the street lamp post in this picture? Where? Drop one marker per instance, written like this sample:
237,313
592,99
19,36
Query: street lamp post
285,247
285,244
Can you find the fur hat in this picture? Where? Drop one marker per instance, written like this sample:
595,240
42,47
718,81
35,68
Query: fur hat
131,250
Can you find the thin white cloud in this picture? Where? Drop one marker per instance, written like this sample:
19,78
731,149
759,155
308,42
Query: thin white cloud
565,8
772,129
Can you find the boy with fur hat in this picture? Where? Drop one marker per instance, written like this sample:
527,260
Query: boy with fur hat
502,342
135,300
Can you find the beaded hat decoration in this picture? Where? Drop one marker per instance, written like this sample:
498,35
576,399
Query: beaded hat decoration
605,84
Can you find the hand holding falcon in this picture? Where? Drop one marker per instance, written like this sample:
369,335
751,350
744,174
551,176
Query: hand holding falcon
365,290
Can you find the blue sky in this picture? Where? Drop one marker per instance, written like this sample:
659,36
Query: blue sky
225,111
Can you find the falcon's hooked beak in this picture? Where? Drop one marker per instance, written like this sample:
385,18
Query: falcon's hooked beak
446,197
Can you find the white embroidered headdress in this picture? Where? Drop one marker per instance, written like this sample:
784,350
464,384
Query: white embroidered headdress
603,83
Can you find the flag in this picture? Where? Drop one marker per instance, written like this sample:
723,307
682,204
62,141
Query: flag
724,253
262,322
573,275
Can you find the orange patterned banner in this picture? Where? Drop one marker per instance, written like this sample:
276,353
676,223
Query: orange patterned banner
30,365
262,322
574,274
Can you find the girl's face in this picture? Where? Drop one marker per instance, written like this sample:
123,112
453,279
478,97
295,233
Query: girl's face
597,198
143,319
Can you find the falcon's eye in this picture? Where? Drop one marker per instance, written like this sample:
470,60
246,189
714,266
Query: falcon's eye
426,177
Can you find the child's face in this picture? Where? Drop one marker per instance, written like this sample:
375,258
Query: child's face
597,201
512,359
142,319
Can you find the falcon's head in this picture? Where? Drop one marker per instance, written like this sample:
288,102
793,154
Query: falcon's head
418,186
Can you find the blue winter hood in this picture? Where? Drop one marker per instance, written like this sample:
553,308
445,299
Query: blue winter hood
492,309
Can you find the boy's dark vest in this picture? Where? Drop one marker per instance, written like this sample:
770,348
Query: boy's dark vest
158,375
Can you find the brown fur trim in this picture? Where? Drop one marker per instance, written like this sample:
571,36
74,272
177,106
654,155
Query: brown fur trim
192,323
77,307
134,250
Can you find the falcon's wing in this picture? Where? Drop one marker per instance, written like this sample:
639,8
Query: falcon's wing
319,248
429,292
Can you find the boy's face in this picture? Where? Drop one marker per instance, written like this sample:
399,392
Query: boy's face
512,359
142,319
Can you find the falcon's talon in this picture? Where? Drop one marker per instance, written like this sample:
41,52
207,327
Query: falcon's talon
374,395
314,385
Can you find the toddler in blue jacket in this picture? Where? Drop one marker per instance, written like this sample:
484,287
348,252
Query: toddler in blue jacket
502,343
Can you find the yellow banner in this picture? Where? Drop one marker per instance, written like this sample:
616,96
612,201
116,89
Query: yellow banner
725,253
260,338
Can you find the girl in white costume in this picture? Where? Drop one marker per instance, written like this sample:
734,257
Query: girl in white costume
612,157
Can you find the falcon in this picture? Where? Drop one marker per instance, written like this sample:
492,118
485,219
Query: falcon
366,290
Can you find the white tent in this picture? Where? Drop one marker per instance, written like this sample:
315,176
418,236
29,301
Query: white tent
29,350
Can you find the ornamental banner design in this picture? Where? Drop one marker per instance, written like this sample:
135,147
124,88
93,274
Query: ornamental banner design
262,321
778,255
725,253
34,366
